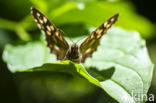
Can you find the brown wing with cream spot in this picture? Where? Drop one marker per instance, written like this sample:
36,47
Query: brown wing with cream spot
55,41
91,43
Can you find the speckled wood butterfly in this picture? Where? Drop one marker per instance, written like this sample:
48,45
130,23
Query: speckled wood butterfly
59,46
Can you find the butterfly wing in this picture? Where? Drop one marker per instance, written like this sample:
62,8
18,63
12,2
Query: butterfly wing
55,41
91,43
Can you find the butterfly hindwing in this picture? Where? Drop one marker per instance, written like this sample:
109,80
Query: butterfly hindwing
55,41
91,43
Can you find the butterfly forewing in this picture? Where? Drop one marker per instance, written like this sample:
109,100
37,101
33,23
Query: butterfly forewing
91,43
55,41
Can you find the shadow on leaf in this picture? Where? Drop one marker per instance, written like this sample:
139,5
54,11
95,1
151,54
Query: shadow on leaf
101,75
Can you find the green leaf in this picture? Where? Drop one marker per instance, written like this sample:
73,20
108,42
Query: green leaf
22,57
127,53
95,13
120,66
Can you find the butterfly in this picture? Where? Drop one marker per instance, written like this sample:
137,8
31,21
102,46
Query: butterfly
59,46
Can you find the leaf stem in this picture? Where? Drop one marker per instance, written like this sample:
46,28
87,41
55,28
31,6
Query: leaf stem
14,26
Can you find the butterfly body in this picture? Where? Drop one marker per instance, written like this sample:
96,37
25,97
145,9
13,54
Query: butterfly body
59,46
73,53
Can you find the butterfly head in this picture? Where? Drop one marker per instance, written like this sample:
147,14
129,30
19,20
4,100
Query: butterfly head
74,47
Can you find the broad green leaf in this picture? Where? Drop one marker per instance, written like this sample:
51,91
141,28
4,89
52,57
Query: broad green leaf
120,66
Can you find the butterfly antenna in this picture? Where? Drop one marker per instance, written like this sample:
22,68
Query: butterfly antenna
80,38
65,34
78,41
